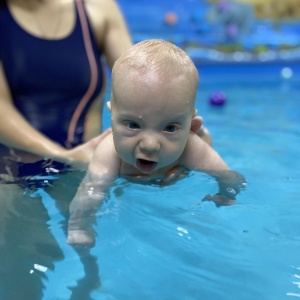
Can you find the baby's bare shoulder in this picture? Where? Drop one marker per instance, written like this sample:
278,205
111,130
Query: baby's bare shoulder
105,153
193,151
198,155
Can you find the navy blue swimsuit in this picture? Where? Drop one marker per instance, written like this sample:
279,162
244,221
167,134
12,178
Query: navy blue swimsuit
52,82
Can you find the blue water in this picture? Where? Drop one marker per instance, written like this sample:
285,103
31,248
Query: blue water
166,243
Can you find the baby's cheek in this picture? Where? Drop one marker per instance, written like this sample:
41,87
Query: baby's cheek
174,152
124,148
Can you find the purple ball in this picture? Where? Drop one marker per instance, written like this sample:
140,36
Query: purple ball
232,31
217,98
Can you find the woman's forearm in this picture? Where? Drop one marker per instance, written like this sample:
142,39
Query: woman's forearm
17,133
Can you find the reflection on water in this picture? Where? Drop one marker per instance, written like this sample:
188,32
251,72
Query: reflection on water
159,241
25,241
33,225
154,240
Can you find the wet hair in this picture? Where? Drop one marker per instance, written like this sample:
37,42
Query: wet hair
158,56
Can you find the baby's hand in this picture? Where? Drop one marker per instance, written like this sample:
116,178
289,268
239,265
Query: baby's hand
80,237
219,200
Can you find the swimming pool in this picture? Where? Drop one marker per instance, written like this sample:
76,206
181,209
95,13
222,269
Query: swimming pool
165,243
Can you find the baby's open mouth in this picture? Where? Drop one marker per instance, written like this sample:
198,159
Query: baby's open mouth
145,166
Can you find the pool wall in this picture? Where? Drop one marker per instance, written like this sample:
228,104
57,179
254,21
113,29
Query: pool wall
184,23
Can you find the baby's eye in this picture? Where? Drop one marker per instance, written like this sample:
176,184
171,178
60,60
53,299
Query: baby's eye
132,125
171,128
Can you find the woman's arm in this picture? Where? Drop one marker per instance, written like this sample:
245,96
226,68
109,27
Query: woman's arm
17,133
109,28
117,39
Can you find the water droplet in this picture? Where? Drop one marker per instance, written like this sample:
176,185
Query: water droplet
40,268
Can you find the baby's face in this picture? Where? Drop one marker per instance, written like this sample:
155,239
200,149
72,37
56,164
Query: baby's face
151,121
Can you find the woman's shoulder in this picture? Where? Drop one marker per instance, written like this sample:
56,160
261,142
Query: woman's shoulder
100,6
100,13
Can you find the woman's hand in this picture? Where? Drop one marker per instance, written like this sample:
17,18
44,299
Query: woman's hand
80,156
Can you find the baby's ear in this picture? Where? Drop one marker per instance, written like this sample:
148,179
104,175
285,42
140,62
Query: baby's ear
196,123
108,105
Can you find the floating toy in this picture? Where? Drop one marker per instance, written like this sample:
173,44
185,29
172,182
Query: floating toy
233,18
286,73
171,18
217,98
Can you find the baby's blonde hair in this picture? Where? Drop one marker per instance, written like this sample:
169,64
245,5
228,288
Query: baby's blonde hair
158,56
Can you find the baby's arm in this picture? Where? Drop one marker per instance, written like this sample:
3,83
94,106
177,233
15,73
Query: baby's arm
230,184
200,156
101,174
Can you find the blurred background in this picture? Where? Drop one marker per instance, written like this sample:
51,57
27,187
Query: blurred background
220,30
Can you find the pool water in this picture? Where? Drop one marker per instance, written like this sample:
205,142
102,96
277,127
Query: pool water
166,243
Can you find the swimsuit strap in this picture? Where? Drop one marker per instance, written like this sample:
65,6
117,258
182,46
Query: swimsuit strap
94,72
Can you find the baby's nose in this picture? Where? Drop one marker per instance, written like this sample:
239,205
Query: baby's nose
149,143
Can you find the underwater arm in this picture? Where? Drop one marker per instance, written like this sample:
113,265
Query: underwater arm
200,156
230,184
92,191
83,209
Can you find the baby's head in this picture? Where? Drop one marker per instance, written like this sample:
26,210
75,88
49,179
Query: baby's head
153,95
156,63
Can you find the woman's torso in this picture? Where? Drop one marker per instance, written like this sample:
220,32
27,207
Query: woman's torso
53,81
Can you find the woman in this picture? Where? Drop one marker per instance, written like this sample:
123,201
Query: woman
52,83
52,79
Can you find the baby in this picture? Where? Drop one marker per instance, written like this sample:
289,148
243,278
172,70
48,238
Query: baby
152,102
